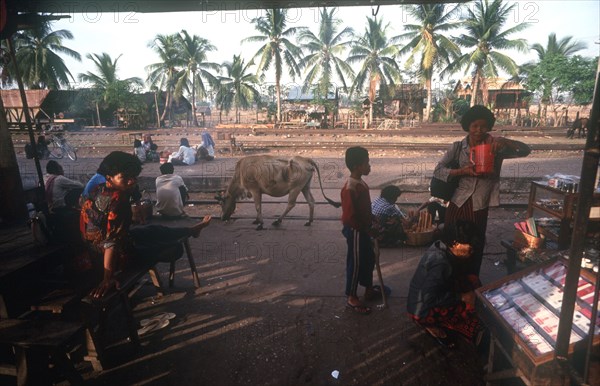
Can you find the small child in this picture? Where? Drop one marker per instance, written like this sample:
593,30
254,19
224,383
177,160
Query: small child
357,220
388,219
139,151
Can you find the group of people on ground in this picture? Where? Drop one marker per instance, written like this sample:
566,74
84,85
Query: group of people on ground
441,293
187,155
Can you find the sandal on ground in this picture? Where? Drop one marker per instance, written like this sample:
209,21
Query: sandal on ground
359,309
445,341
375,292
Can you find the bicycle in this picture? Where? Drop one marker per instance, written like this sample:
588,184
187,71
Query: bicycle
59,147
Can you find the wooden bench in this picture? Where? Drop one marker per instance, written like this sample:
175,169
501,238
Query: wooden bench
96,310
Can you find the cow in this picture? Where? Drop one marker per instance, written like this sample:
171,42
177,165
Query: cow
580,124
264,174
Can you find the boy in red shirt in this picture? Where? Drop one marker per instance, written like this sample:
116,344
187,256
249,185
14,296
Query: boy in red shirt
356,220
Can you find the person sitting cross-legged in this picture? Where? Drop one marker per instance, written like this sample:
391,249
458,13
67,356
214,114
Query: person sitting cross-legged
186,155
171,192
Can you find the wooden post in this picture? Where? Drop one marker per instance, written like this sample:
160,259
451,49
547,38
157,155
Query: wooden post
589,169
12,206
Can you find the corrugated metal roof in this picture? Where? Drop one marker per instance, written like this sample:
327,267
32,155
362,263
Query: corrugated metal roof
12,98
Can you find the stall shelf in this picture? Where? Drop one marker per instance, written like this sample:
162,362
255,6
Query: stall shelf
558,207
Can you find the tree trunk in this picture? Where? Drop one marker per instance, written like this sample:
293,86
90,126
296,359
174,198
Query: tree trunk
98,115
194,118
278,92
475,89
157,112
429,98
167,106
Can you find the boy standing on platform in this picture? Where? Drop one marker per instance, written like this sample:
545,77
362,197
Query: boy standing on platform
356,220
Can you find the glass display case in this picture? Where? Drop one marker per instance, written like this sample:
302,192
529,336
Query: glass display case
522,311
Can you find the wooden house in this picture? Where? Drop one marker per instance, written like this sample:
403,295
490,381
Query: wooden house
43,105
500,93
309,108
409,100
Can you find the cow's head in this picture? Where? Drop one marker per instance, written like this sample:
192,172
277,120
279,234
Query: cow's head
227,202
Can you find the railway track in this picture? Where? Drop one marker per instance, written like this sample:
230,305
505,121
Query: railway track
94,142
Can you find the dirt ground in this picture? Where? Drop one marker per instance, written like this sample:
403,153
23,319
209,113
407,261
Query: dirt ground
271,312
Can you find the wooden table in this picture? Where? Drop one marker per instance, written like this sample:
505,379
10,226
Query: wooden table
38,342
22,263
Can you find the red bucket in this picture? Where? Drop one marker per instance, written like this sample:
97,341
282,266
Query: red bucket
483,158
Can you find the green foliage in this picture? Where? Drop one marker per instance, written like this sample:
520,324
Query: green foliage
323,60
277,49
484,37
238,89
84,104
556,77
114,93
427,42
38,57
196,68
581,76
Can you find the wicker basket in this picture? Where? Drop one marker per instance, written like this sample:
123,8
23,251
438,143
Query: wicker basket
418,239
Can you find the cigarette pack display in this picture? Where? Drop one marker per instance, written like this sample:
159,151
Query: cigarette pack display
523,312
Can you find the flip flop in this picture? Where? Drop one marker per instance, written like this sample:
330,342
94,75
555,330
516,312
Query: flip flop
154,325
160,316
359,309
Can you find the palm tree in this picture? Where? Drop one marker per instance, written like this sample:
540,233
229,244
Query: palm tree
427,40
376,53
163,75
238,88
564,47
277,47
193,50
484,37
113,90
324,53
38,56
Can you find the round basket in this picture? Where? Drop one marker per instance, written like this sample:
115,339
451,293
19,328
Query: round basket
419,238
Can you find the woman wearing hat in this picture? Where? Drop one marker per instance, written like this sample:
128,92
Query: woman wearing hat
476,192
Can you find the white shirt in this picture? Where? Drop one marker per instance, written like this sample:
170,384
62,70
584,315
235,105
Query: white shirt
168,197
189,155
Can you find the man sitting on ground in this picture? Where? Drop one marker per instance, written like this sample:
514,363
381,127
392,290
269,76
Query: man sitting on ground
171,192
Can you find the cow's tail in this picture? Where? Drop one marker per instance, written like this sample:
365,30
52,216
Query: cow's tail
330,201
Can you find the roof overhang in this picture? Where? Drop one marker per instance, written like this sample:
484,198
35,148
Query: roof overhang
144,6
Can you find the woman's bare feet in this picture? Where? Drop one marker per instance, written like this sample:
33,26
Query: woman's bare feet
201,225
